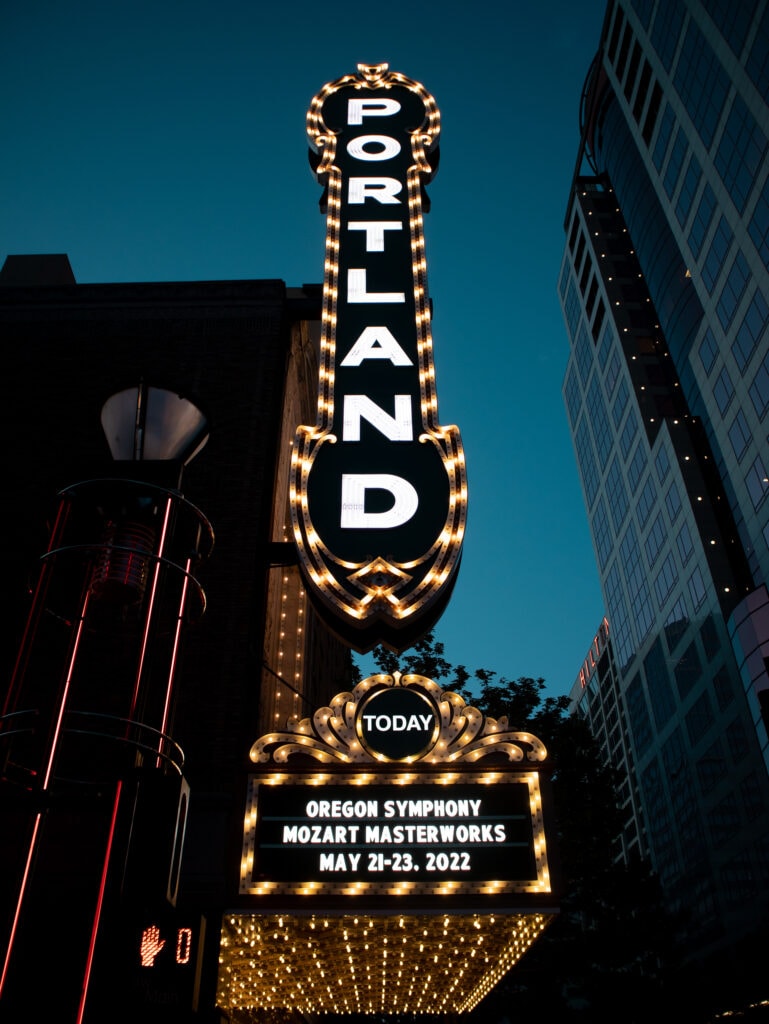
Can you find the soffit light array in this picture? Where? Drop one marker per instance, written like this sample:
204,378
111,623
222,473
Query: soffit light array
420,964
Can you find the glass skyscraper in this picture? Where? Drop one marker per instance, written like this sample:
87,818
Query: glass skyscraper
664,286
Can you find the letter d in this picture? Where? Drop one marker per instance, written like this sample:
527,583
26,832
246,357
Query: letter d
354,515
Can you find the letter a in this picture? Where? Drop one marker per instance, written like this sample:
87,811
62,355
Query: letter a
376,343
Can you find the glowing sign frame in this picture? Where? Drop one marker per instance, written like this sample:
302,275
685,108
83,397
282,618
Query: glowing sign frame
463,737
411,884
369,593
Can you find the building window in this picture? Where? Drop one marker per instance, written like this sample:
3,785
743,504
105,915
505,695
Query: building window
666,579
752,327
636,467
638,713
666,30
724,820
708,351
701,82
736,741
717,253
673,502
702,219
658,684
759,389
711,768
733,290
662,462
599,421
586,460
618,616
684,543
757,481
643,9
612,372
676,624
723,392
739,434
757,64
752,793
732,21
632,71
571,307
709,636
688,671
602,534
573,395
620,403
740,153
583,353
675,163
628,434
652,113
646,500
723,689
699,719
697,589
689,188
655,540
758,228
616,494
663,137
643,90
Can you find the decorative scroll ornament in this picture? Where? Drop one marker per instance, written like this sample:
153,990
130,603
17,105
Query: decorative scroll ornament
459,733
378,487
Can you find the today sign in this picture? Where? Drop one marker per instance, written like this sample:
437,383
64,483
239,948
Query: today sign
378,493
397,724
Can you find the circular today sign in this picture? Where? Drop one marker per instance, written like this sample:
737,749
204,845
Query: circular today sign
398,724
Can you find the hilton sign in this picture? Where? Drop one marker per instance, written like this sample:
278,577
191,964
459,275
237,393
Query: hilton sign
378,491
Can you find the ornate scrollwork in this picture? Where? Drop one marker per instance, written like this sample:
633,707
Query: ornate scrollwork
464,735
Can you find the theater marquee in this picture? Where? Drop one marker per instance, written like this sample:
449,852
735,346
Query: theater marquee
401,806
378,492
395,858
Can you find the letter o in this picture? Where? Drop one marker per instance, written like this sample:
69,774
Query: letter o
383,723
390,147
311,810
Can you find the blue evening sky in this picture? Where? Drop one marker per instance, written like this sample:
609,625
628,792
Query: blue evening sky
165,141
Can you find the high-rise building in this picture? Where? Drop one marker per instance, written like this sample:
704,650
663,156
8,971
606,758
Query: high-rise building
664,286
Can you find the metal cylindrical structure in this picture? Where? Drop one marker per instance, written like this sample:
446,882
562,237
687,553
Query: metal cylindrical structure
86,726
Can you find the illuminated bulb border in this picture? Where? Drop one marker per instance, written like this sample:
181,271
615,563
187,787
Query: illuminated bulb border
365,963
440,561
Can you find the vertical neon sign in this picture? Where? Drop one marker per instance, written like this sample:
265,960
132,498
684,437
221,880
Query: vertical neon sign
378,487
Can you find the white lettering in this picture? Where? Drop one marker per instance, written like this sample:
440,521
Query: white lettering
384,190
376,343
354,515
357,109
357,290
390,147
394,428
375,231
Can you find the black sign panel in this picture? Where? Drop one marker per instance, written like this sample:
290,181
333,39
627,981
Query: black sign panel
378,486
382,833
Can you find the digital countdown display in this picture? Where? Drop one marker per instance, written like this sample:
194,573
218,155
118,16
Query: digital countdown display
481,834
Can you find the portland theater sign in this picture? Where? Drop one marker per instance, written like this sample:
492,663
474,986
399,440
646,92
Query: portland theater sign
378,492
